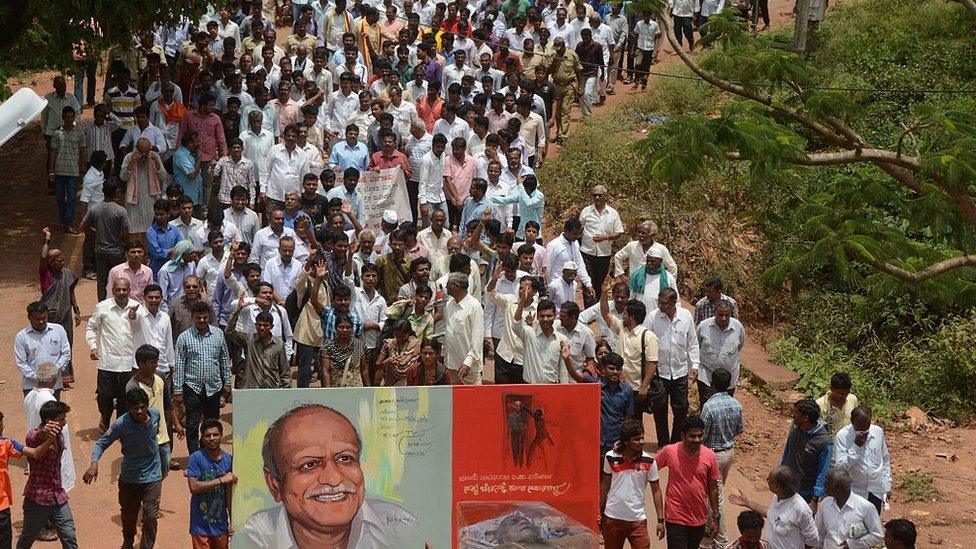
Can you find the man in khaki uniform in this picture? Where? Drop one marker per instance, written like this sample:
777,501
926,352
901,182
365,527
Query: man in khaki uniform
565,69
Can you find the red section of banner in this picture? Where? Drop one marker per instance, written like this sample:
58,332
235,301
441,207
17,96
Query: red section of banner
527,443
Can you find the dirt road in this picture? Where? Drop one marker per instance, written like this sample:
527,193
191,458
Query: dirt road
28,208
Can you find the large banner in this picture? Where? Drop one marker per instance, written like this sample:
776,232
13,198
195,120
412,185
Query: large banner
415,467
383,190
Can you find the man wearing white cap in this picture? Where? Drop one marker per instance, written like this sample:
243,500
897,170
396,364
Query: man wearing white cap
388,224
601,227
648,281
563,289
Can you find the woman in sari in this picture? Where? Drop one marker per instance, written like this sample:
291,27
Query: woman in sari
426,369
343,363
397,353
58,293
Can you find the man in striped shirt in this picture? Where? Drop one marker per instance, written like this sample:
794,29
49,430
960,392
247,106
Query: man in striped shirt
123,98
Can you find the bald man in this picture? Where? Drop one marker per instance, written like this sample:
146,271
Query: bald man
312,469
109,337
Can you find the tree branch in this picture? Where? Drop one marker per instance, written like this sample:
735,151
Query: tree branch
849,157
764,99
969,5
931,271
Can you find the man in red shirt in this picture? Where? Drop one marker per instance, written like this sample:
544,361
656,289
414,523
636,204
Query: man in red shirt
389,156
210,138
692,487
45,499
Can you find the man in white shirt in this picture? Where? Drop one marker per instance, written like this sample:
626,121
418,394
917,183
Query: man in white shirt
151,326
720,340
430,193
41,343
845,519
601,227
464,332
454,73
435,237
532,131
258,142
284,168
629,258
282,271
648,281
677,362
542,345
619,296
110,341
565,247
582,344
143,129
450,125
861,450
789,521
265,245
627,471
683,12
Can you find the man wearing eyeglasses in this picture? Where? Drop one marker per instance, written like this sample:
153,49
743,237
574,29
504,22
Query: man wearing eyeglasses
601,226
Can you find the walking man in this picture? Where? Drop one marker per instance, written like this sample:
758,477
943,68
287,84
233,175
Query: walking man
110,342
722,416
202,372
141,479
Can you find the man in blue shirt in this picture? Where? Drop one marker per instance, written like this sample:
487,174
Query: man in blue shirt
208,474
161,237
350,153
616,399
347,192
530,200
141,478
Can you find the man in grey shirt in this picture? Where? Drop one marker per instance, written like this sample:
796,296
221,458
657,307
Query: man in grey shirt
110,223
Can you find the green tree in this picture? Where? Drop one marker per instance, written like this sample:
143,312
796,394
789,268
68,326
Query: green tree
40,34
894,212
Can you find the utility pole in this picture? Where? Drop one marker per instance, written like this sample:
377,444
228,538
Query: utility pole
802,12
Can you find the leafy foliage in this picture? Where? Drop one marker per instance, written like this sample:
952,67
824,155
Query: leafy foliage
40,34
855,222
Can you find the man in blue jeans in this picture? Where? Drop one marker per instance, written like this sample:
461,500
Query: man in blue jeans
202,372
66,164
141,478
45,499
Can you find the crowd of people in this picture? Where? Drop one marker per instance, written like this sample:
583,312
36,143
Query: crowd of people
226,233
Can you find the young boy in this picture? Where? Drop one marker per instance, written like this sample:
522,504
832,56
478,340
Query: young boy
160,399
750,527
140,478
45,499
10,448
539,260
208,474
627,470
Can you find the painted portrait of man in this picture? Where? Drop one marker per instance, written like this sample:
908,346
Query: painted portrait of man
312,468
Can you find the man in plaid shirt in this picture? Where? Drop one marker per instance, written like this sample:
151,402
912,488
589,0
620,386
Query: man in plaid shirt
44,497
722,415
201,373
